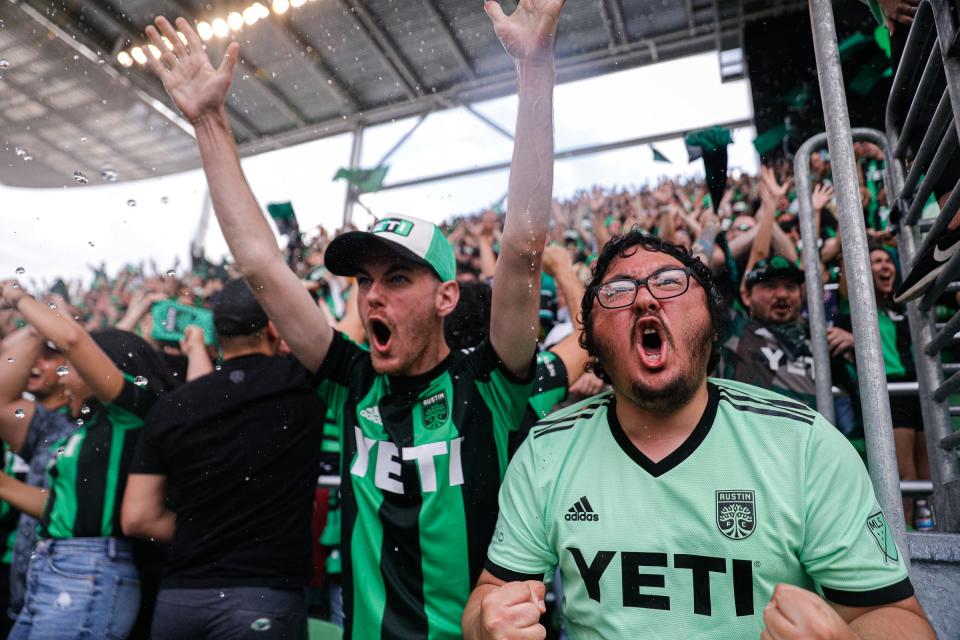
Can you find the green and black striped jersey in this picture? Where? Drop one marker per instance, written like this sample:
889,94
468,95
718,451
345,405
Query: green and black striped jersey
423,458
89,470
14,467
763,491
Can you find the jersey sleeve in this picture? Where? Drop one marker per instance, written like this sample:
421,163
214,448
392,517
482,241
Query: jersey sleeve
147,457
520,549
332,380
848,546
505,394
549,384
133,399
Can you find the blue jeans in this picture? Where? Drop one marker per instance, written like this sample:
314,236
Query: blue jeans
79,588
230,613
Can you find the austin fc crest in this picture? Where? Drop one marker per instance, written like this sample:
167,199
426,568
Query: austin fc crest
736,514
434,411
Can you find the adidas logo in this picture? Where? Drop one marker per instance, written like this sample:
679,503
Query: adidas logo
581,510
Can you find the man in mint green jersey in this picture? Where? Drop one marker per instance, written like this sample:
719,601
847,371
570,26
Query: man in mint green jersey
681,507
424,430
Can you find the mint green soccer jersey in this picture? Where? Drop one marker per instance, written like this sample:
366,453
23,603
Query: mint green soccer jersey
763,491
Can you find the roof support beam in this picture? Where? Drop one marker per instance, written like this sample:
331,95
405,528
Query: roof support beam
433,9
613,21
331,81
560,155
691,23
386,49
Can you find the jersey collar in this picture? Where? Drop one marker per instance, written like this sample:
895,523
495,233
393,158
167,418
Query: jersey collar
681,453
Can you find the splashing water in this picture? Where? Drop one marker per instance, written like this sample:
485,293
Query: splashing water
171,273
109,174
140,381
131,202
84,410
63,370
19,413
79,178
4,64
51,305
10,360
21,271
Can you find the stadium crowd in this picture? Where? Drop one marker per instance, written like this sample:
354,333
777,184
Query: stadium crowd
164,429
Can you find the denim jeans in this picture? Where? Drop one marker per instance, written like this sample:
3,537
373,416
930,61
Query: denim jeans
230,613
82,588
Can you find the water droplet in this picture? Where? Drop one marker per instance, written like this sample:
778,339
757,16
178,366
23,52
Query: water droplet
109,174
84,410
218,367
33,555
80,178
131,202
79,422
19,413
21,271
4,64
63,370
51,305
223,595
20,151
171,273
10,360
90,243
164,199
140,381
246,478
28,158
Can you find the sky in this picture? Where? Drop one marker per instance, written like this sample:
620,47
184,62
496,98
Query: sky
59,232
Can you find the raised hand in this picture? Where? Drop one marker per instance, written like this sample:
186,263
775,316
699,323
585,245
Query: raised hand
822,194
10,293
529,33
186,72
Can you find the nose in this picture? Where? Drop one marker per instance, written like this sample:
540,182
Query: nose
374,294
645,300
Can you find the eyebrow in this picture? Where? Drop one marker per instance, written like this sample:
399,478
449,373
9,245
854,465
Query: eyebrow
393,268
662,267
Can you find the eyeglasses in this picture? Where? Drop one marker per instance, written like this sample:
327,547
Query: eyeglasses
743,227
663,284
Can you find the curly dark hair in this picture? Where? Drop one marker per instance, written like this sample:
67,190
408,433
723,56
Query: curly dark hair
626,245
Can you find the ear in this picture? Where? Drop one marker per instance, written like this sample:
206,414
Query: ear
446,298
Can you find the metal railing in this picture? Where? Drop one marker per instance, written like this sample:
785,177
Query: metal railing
934,557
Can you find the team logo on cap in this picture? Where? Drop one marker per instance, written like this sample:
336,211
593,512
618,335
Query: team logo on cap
434,411
394,225
736,514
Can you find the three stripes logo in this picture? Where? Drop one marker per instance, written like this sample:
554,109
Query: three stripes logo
582,511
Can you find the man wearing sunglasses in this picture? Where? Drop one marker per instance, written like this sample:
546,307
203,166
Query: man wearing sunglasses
681,507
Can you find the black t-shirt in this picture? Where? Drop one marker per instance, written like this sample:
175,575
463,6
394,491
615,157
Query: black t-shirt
240,448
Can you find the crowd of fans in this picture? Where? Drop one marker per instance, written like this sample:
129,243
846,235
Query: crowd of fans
750,239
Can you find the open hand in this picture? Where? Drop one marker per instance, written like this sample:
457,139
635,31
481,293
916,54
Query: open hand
185,70
530,32
822,194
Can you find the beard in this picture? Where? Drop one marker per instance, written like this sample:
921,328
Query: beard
680,390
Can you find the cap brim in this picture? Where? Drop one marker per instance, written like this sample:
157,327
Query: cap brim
346,253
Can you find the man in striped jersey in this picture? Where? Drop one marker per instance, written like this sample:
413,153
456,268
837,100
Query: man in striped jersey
424,430
681,506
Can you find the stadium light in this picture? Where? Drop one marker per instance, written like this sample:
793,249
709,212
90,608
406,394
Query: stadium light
139,55
297,3
235,21
220,28
154,51
204,30
280,6
250,15
124,59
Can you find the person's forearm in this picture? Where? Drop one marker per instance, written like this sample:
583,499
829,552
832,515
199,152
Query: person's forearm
18,352
21,496
892,623
198,363
53,325
134,312
781,243
488,259
572,290
244,227
471,621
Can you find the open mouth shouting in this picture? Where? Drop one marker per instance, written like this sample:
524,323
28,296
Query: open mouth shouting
650,337
381,335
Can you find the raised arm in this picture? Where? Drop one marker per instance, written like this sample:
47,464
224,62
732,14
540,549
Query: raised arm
528,35
18,352
85,357
200,92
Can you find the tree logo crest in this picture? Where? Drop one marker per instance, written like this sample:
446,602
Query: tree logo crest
736,514
435,412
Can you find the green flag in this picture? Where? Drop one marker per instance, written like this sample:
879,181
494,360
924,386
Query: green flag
282,214
768,140
659,157
364,180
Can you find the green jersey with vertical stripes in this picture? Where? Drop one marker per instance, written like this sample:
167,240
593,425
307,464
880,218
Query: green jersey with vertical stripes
88,473
763,491
423,457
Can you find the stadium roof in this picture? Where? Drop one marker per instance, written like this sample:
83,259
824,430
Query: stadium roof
72,101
